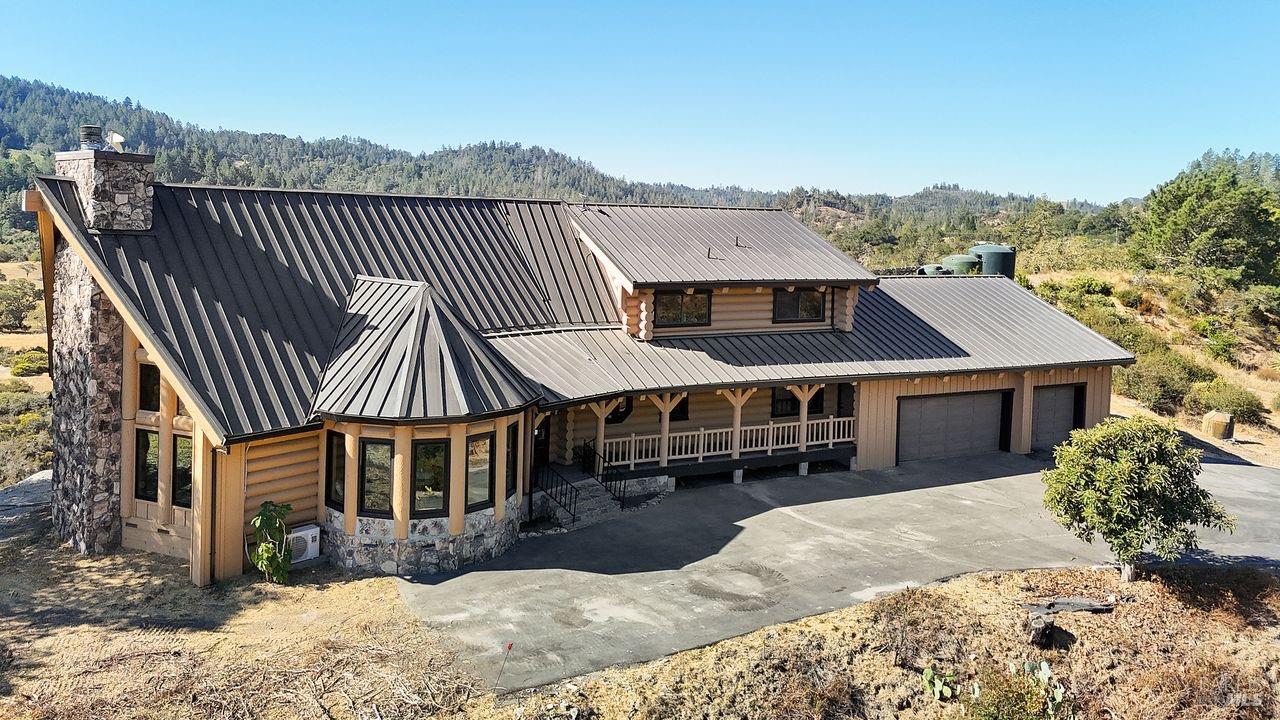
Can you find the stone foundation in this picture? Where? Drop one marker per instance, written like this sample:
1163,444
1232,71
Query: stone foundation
430,548
87,365
638,487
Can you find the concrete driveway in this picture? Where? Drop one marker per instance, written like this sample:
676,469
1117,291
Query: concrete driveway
717,561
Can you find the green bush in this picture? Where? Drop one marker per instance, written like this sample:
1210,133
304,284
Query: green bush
1086,285
1132,482
32,362
1123,330
1225,396
1014,695
1160,380
14,385
17,299
1128,297
17,403
25,445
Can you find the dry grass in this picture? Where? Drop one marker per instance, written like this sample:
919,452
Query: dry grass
1184,644
126,636
25,270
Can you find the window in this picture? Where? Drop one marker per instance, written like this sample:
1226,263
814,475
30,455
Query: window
681,309
146,468
375,478
619,413
335,480
680,412
785,403
479,471
513,456
430,477
148,387
182,471
802,305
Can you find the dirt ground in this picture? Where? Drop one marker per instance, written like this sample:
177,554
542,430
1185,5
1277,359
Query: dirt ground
1186,644
126,636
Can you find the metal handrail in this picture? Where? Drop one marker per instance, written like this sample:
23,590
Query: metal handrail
559,489
610,476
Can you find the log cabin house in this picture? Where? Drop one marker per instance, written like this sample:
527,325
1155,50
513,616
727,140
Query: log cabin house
416,375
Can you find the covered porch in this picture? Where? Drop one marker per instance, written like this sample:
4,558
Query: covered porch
711,431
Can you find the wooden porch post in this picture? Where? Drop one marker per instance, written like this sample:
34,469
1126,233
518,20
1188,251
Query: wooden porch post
602,408
500,467
457,478
804,393
401,480
737,398
202,508
665,402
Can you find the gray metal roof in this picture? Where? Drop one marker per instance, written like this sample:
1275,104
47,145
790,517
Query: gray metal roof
657,244
403,354
245,288
908,326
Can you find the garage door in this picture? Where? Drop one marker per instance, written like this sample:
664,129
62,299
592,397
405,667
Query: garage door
1053,415
941,426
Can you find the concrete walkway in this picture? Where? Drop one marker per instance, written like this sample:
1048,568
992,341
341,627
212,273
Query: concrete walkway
717,561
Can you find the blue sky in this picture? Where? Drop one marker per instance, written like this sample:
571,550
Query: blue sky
1086,100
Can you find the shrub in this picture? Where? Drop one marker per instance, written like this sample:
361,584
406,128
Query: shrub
17,403
32,362
1128,297
1122,330
1031,693
272,554
1225,396
25,445
1086,285
1132,482
1160,380
14,385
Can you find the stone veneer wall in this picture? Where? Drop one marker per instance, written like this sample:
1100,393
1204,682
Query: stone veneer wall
429,549
115,188
87,366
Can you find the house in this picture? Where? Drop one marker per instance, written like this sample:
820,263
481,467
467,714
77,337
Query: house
414,374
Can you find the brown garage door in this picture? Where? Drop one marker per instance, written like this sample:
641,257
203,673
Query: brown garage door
1055,412
942,426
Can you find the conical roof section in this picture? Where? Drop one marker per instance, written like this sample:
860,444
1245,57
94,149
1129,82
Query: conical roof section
402,353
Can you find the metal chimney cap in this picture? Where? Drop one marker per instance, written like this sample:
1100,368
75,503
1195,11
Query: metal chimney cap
91,137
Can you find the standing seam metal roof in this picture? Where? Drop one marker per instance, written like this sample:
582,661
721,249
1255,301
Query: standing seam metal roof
655,244
403,354
246,287
908,326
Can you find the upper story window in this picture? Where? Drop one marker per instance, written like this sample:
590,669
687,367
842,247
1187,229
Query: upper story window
375,478
335,481
148,387
799,305
675,308
785,403
619,413
479,471
430,477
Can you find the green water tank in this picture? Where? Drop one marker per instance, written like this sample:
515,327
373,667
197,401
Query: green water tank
934,269
996,259
962,264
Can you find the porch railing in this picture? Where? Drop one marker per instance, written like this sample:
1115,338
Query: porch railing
557,487
718,442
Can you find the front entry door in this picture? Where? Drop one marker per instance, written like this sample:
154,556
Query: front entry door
542,443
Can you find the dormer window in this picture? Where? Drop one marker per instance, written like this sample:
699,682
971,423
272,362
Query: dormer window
799,305
676,308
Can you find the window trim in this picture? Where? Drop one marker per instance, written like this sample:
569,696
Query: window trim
681,294
361,510
173,472
329,452
139,458
414,512
773,402
466,473
777,320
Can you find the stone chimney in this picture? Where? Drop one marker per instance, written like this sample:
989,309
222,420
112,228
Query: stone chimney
115,187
